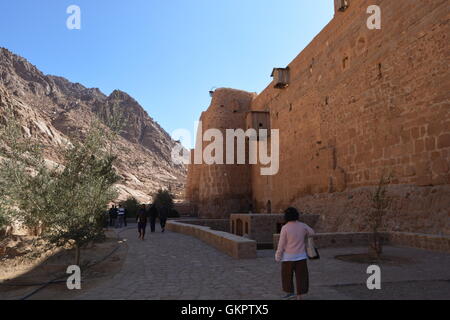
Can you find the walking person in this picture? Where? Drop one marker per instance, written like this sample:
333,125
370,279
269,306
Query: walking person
105,219
142,222
292,253
112,216
153,214
110,212
163,214
121,216
125,216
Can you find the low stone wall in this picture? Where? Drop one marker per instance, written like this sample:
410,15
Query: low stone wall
261,227
430,242
215,224
184,209
414,209
336,240
234,246
401,239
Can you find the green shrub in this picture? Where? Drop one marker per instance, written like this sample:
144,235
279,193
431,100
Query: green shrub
132,205
174,214
163,198
67,201
4,221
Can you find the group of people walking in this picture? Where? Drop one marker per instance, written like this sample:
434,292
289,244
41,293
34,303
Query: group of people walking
117,216
151,213
292,247
146,213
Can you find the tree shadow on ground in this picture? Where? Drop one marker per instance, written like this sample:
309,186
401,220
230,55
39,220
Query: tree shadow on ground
46,277
365,258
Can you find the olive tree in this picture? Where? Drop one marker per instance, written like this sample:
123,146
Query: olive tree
380,205
63,202
163,200
4,221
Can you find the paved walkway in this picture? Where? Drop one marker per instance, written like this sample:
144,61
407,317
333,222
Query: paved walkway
175,266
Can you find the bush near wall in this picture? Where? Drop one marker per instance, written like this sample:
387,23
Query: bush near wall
132,205
174,214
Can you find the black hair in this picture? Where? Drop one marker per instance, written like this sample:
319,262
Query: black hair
291,214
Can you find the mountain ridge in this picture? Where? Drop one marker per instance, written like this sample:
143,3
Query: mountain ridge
68,108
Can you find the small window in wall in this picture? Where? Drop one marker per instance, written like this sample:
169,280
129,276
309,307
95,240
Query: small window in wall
279,227
341,5
269,206
361,45
246,228
281,77
239,230
345,63
232,227
258,120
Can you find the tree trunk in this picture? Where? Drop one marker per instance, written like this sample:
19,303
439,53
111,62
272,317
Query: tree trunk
77,254
375,246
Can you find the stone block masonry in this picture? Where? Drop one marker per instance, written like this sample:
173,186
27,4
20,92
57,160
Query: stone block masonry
216,190
214,224
360,104
234,246
399,239
261,227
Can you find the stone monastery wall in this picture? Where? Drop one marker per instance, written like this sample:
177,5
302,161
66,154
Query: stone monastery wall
360,104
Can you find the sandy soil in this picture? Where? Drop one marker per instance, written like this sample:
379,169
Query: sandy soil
25,267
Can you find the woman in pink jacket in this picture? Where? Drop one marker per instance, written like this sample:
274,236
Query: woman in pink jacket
292,253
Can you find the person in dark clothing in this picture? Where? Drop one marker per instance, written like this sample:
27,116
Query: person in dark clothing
125,217
142,221
121,217
153,214
105,219
112,216
163,214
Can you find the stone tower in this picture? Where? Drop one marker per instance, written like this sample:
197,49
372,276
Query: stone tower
221,189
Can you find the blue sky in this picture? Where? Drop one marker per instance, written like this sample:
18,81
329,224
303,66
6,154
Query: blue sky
167,54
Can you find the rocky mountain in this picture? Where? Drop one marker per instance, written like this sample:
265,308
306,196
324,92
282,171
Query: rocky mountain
53,109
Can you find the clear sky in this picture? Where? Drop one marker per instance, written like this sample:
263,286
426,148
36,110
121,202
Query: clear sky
167,54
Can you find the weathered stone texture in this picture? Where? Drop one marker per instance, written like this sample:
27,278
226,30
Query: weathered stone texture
214,224
361,103
218,190
401,239
234,246
262,227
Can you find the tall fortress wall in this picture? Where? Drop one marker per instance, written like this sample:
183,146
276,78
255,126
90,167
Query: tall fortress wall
218,190
360,104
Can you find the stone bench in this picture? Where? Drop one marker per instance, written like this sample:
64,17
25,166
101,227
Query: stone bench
234,246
